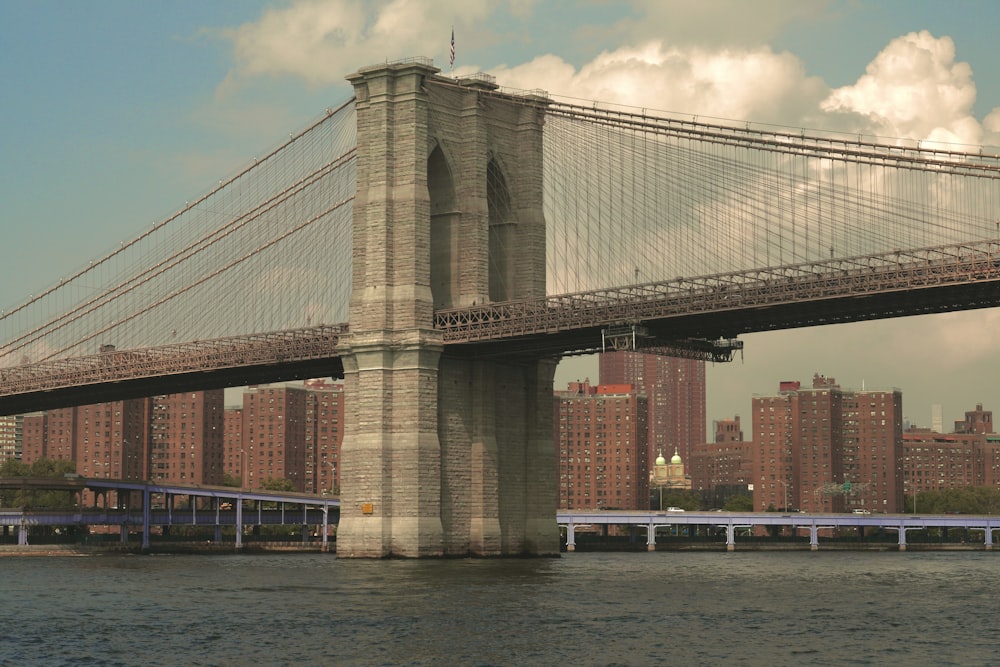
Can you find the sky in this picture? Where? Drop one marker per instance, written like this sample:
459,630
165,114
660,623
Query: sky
115,113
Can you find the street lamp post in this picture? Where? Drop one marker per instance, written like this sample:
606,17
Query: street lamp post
658,476
784,484
242,468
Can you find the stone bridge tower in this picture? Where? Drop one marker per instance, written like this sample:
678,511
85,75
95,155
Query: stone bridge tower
444,453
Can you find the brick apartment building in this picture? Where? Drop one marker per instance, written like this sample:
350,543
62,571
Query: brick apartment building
675,397
280,432
11,436
324,435
288,432
234,455
110,439
274,435
723,466
969,456
826,449
601,434
186,437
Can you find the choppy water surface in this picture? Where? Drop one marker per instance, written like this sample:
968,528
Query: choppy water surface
792,608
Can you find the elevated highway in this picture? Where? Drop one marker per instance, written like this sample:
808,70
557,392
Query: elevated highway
216,506
732,521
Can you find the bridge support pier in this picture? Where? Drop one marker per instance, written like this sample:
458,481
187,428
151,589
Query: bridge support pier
571,537
444,453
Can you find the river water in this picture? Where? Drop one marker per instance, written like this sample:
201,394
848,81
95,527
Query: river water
662,608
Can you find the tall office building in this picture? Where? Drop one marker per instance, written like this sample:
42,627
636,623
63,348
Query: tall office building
937,418
602,450
675,394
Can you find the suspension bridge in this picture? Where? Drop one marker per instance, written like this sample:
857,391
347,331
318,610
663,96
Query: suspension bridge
441,242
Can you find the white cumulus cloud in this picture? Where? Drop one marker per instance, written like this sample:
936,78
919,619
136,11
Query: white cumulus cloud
913,89
754,84
322,40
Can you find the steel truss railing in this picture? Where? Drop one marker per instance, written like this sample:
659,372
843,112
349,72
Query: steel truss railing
896,271
278,347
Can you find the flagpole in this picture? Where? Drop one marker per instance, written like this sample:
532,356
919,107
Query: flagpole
452,49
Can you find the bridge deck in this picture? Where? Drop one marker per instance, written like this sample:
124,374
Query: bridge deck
683,313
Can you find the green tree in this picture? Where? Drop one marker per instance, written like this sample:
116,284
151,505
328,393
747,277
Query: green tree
14,468
685,499
231,480
43,468
962,499
54,468
739,504
278,484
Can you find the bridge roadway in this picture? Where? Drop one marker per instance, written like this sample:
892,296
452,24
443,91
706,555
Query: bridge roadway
694,314
307,509
731,521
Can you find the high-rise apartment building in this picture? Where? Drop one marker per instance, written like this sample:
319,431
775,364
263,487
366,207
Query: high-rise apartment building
60,435
186,437
274,435
969,456
601,437
110,439
11,437
234,453
281,432
937,461
324,434
723,466
824,449
675,394
727,430
873,449
976,421
34,436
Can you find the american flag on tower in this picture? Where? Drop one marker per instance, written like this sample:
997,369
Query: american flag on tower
453,48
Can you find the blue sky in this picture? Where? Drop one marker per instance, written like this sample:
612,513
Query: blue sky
115,113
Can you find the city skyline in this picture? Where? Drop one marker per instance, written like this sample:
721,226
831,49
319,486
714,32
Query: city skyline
119,112
293,434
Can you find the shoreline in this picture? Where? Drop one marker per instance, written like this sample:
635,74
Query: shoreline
180,548
228,548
